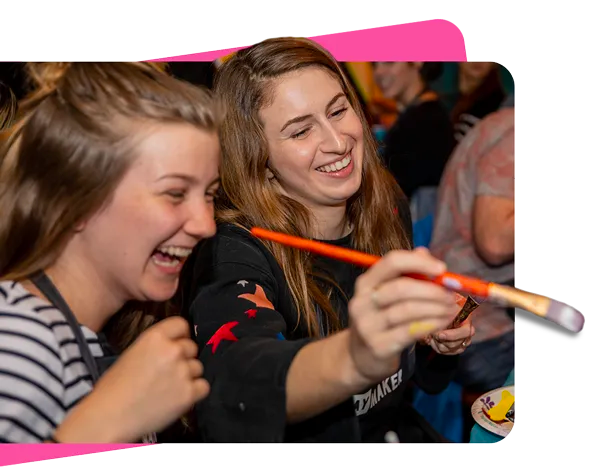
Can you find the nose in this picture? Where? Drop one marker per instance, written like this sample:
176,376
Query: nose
200,223
334,140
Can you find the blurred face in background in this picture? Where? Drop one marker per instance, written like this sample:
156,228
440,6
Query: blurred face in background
398,80
472,74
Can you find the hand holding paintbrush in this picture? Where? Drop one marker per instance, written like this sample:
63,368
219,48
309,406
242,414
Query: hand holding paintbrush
553,310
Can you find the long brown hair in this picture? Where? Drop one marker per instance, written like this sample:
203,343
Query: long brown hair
245,84
71,146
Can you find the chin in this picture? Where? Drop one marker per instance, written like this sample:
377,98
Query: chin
343,196
160,292
353,186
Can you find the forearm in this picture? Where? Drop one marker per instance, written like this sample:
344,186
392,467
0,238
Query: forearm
89,422
496,244
505,245
494,229
321,376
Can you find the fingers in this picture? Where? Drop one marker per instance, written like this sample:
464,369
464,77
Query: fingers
195,368
174,327
412,311
399,262
443,349
409,288
458,334
453,341
393,341
414,316
200,389
188,348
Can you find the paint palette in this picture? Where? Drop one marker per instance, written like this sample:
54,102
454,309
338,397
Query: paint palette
493,409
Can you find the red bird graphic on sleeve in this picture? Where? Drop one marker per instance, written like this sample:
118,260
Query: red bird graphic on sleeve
223,334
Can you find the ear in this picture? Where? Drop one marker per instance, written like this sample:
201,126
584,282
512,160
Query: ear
80,227
418,66
269,174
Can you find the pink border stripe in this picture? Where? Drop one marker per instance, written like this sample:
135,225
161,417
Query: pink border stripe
434,40
22,453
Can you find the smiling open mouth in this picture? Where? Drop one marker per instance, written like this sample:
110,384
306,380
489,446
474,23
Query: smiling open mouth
170,256
336,166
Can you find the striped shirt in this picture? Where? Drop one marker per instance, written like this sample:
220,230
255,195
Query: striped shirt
42,372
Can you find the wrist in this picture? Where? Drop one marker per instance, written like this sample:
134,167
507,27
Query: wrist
344,367
90,422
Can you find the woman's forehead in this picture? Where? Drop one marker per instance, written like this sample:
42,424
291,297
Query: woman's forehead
301,91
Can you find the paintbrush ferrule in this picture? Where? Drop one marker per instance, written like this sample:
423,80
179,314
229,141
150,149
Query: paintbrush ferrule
507,296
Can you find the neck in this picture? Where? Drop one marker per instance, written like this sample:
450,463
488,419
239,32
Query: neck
330,223
410,94
91,300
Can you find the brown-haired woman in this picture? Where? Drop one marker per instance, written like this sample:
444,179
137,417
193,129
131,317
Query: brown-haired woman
287,339
106,184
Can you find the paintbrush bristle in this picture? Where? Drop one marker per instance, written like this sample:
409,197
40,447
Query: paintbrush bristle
565,316
557,312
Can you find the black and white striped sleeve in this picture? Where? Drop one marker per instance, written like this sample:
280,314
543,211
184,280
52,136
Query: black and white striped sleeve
31,377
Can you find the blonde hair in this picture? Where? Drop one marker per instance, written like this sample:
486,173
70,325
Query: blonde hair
70,148
245,84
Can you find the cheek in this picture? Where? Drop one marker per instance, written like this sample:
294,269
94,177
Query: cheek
354,127
163,220
295,157
151,223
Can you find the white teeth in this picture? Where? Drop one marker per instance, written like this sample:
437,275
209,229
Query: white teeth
336,166
180,252
166,263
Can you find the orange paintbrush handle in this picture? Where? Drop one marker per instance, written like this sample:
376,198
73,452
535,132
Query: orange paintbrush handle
451,281
327,250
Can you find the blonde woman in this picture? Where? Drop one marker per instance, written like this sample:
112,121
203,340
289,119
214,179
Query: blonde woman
106,184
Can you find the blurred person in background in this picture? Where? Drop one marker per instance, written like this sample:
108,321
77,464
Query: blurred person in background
474,234
419,143
480,93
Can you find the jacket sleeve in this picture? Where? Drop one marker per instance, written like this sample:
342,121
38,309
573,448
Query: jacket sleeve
242,343
434,372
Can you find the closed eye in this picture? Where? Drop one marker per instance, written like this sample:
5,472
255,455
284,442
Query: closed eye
339,112
176,194
300,134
